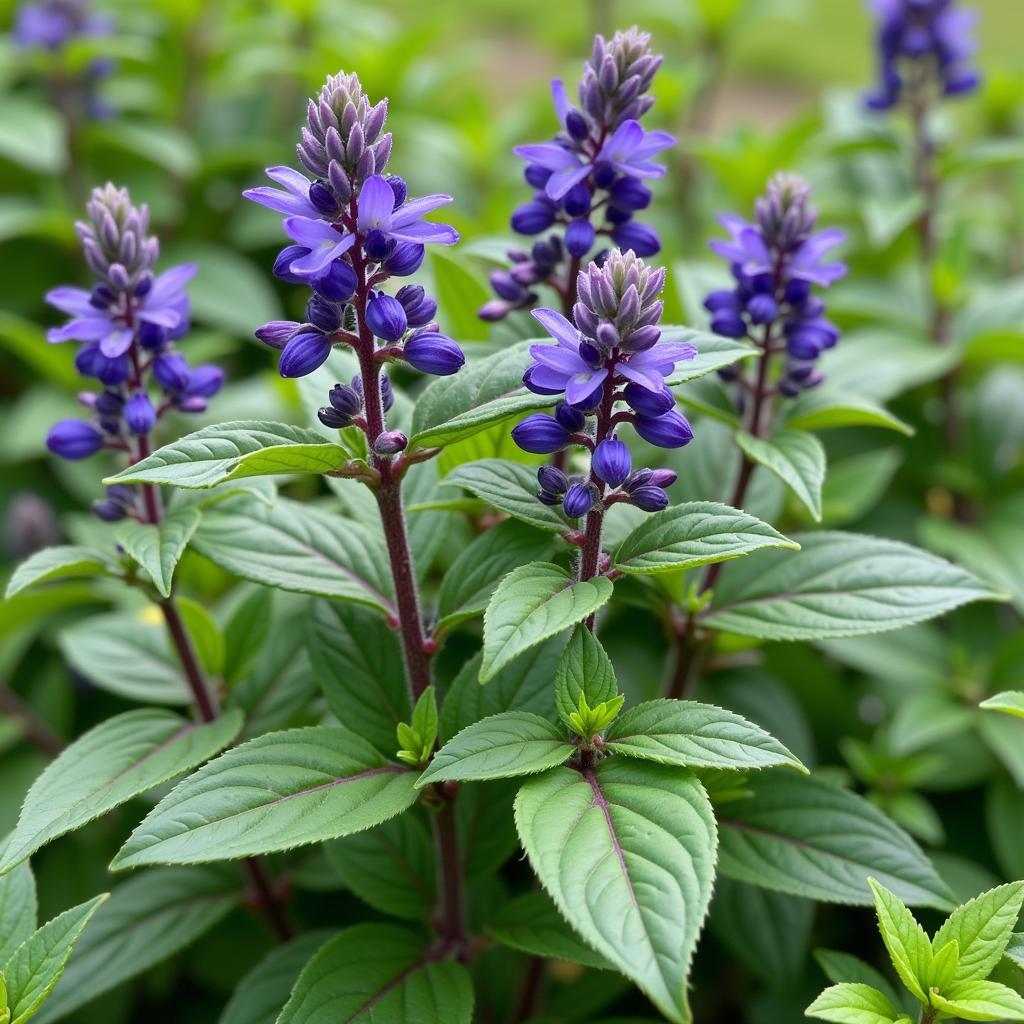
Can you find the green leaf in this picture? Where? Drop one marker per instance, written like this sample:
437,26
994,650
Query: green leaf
230,451
245,633
1011,702
908,945
854,485
531,923
485,392
32,135
819,409
118,759
510,487
583,670
357,660
627,852
853,1004
147,919
297,547
797,834
982,929
36,965
158,549
693,534
17,909
796,457
499,747
261,994
532,603
1015,949
375,973
469,583
981,1000
713,353
693,735
839,967
127,653
943,967
459,294
390,867
839,584
278,791
62,562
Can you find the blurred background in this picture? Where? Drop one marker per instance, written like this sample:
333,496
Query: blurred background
186,101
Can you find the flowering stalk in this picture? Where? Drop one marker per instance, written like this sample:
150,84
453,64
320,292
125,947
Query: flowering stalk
589,178
353,229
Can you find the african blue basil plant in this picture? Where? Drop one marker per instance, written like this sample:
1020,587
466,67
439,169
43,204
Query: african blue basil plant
412,682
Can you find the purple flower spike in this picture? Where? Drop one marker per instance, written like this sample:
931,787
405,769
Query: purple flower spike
74,439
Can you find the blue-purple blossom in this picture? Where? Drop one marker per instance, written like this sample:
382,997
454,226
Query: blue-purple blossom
776,261
588,179
926,43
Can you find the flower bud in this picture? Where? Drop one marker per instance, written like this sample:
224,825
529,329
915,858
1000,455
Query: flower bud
763,309
171,371
649,498
612,461
405,260
729,324
74,439
670,430
648,403
345,399
285,258
579,500
536,175
579,237
532,218
663,477
323,314
576,202
276,333
640,238
431,352
570,417
323,199
331,417
139,414
552,480
540,434
386,317
336,282
303,354
391,442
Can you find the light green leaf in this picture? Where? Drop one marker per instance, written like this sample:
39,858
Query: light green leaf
981,1000
852,1003
713,353
693,735
118,759
36,965
820,409
230,451
1015,949
297,547
534,602
62,562
32,135
1011,702
982,929
839,584
796,457
693,534
278,791
460,294
499,747
531,923
584,670
469,583
797,834
908,945
147,919
485,392
510,487
627,852
158,549
854,485
839,967
943,967
372,973
17,909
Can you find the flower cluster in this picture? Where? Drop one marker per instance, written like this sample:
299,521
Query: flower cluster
775,261
126,325
352,228
922,41
596,165
612,355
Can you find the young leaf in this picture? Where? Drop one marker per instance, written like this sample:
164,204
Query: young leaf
378,972
982,928
796,457
531,923
510,487
588,722
118,759
17,909
531,603
229,451
693,735
908,945
839,584
469,583
62,562
36,965
800,835
416,740
500,747
981,1000
147,919
310,785
852,1004
584,670
943,967
627,852
693,534
158,549
1010,702
297,547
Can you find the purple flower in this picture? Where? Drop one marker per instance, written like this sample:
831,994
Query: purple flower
74,439
378,215
324,241
293,200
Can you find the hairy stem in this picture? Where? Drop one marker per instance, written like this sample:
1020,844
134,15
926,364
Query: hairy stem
451,915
